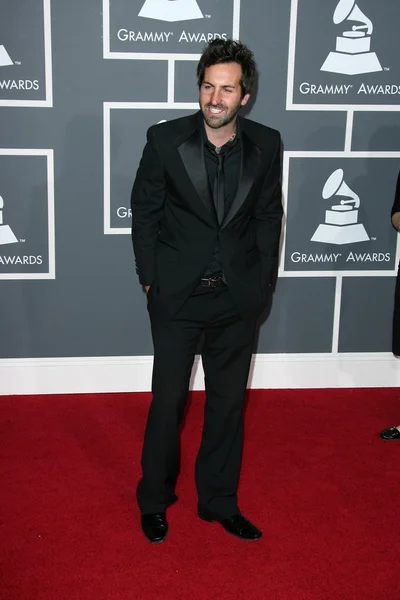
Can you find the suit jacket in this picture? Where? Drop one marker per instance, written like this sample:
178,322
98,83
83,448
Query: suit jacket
396,201
175,227
396,311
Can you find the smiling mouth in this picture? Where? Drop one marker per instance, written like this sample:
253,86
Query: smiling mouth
215,111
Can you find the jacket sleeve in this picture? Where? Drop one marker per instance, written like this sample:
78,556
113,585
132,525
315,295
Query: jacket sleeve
268,217
147,203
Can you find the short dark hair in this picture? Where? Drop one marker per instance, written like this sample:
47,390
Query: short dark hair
229,51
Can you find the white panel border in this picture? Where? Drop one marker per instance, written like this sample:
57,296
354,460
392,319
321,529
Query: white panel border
290,105
48,67
49,154
285,186
108,54
133,374
108,106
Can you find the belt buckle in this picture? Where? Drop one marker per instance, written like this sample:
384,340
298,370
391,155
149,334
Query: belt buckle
214,281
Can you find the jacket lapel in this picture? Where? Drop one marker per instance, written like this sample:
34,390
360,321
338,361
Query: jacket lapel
192,154
250,163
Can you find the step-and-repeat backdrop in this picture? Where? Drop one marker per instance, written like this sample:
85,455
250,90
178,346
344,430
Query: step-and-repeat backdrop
80,83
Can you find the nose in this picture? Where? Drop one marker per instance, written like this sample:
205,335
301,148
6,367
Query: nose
216,97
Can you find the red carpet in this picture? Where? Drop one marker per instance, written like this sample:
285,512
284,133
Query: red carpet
316,478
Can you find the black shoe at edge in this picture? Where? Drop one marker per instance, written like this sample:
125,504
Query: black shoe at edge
392,433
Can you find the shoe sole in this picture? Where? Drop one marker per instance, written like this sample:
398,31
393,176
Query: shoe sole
156,541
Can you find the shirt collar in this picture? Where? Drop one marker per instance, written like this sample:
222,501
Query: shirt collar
206,141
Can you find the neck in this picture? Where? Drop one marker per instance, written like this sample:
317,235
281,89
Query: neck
220,136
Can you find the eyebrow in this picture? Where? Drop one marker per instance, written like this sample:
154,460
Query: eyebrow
230,85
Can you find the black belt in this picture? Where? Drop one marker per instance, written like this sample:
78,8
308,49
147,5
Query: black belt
214,281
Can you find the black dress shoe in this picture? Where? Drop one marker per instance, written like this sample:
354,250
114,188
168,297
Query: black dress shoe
392,433
155,527
238,526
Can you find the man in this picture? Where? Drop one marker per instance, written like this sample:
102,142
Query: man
393,433
206,211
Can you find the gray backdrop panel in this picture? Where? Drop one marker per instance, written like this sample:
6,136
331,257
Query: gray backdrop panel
366,316
95,305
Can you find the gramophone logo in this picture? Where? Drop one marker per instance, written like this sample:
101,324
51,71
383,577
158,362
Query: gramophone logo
353,54
341,220
6,234
171,10
5,59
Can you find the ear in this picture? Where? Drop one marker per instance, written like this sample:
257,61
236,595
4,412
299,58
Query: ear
245,99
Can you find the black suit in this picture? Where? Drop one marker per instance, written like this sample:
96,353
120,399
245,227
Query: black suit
175,231
396,312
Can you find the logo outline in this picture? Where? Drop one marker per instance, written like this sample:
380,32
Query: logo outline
352,55
7,236
175,56
287,156
291,104
341,224
49,154
5,58
173,10
107,108
48,67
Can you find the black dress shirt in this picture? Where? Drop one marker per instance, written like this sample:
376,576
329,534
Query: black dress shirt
232,152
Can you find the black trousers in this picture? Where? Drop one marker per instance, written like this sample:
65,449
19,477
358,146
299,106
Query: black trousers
396,317
226,356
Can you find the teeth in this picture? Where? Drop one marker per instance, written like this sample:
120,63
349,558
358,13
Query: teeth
216,110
